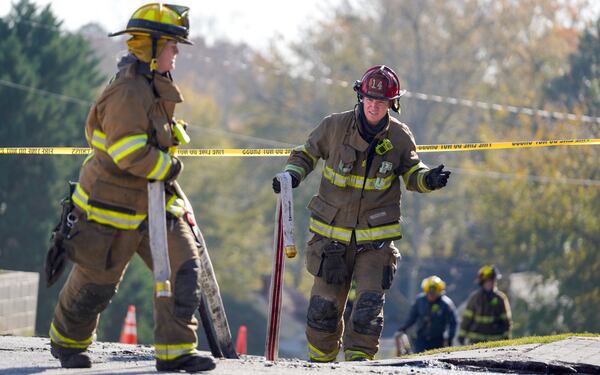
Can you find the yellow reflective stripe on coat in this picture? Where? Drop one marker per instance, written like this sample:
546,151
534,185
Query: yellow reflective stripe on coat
302,148
169,352
295,168
87,158
355,181
392,231
66,342
406,176
484,319
105,216
163,164
352,355
467,313
325,230
176,206
99,140
127,145
421,186
318,356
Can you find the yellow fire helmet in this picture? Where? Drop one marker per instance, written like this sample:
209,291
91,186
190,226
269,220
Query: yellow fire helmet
433,284
488,272
159,21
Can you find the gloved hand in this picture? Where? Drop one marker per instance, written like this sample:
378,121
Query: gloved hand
277,184
437,178
175,170
55,261
461,340
334,267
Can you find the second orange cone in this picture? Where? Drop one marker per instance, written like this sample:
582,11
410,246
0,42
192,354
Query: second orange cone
129,332
240,343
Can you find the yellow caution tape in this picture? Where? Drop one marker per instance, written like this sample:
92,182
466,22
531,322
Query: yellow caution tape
258,152
506,145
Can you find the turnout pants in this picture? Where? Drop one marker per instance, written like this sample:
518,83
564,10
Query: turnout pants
101,255
372,270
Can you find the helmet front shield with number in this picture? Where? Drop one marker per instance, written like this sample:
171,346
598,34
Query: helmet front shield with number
380,83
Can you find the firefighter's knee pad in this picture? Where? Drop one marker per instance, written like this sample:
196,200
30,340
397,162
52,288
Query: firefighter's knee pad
187,289
92,299
322,314
366,317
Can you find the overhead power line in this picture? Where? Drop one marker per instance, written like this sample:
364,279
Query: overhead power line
449,100
88,103
44,92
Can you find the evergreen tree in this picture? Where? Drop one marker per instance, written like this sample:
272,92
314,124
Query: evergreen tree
38,61
579,88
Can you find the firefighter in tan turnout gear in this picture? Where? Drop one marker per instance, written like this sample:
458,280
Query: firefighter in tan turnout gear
132,133
356,214
487,316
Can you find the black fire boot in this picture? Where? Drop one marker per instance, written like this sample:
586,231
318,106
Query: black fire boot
70,357
188,363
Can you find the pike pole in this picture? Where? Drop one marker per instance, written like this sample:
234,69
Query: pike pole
283,241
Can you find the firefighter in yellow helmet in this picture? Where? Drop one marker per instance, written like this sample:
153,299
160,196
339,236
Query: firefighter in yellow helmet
434,313
355,217
487,316
132,133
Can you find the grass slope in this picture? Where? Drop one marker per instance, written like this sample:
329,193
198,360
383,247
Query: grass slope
511,342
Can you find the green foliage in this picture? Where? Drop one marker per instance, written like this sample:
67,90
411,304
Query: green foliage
579,88
35,53
549,225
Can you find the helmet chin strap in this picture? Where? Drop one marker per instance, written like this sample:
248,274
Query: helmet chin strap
154,63
396,105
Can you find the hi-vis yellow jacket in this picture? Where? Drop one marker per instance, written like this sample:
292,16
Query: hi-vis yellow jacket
348,202
129,130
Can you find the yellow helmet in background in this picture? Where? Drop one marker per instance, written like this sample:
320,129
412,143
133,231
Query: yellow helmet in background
433,284
160,21
488,272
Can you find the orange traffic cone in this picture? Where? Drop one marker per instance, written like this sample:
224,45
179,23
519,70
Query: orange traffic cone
240,343
129,332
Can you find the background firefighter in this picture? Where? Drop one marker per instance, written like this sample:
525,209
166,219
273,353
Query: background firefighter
356,215
487,316
131,130
434,312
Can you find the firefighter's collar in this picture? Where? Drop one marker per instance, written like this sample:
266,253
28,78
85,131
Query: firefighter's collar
167,89
354,139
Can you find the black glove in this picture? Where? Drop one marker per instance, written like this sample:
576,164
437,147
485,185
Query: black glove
334,267
436,178
277,184
175,170
55,262
461,340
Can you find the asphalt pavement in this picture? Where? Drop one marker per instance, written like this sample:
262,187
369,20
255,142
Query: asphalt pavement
31,355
